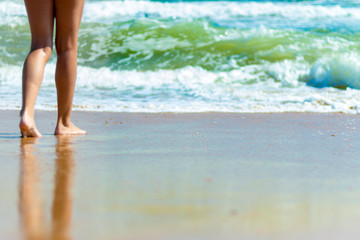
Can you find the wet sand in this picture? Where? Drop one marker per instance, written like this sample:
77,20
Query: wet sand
182,176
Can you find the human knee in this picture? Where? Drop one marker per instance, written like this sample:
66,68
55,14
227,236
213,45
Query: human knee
67,47
45,51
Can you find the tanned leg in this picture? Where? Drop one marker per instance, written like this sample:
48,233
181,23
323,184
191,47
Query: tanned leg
41,20
68,15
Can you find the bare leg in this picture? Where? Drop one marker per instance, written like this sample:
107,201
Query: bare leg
68,15
41,20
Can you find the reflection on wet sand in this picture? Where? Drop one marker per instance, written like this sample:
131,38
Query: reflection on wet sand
30,205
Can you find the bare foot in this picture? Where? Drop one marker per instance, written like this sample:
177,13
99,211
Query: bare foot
27,127
70,129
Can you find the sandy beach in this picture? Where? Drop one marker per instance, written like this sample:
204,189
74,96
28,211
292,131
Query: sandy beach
182,176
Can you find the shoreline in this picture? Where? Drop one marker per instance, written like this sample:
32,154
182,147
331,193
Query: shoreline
48,117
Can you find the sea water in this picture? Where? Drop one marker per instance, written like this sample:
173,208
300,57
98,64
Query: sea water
196,56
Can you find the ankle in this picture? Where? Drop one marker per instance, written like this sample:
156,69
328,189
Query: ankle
63,122
27,113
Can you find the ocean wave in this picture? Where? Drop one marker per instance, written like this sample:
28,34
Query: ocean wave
188,57
13,13
341,71
248,89
151,45
117,10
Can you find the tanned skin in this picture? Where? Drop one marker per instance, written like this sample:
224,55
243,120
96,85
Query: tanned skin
42,15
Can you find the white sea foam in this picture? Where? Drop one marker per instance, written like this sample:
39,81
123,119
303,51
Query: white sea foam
340,70
190,89
116,10
13,12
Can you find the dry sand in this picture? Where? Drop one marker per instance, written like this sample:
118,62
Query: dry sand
182,176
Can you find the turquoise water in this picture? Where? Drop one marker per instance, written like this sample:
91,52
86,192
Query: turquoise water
194,56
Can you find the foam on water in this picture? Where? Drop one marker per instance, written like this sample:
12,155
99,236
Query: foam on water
248,89
340,71
114,11
13,12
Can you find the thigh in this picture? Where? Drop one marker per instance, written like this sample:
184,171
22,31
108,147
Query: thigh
68,15
41,21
